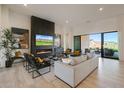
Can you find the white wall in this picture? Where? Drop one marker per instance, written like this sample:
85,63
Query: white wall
59,30
4,23
70,38
20,21
106,25
66,35
0,13
120,21
5,17
84,42
0,33
9,19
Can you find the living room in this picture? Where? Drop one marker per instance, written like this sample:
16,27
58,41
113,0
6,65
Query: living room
49,38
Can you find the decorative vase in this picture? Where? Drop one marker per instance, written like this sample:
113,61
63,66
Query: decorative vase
8,63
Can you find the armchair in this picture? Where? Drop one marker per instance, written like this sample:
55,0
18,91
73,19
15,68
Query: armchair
35,66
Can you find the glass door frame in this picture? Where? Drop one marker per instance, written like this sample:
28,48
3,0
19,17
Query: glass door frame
102,45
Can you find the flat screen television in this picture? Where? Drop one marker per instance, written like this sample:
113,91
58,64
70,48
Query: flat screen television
44,40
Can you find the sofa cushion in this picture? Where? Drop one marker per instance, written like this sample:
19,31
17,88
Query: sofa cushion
90,55
78,59
66,60
38,59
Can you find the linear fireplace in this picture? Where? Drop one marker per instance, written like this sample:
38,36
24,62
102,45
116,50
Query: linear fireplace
43,51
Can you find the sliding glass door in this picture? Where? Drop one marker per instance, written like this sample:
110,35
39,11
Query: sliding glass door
102,44
95,43
110,45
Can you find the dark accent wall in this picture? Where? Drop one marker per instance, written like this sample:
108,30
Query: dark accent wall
43,27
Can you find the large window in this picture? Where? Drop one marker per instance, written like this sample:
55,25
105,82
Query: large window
110,45
103,44
95,43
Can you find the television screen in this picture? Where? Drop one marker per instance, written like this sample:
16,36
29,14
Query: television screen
44,40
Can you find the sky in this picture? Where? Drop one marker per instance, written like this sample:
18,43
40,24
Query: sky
107,37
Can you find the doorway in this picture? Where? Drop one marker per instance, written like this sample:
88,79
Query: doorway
109,45
77,42
103,44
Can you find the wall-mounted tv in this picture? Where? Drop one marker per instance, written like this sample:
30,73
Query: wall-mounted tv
44,40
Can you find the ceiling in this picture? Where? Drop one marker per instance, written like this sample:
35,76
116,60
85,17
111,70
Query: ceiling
75,13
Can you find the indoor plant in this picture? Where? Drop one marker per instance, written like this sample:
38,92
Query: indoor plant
7,43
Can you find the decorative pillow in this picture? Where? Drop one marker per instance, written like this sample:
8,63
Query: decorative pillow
83,58
31,54
74,62
77,52
66,60
18,53
39,59
90,55
78,59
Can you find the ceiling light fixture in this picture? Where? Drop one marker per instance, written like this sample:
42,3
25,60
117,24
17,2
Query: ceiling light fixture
67,21
25,4
100,9
88,21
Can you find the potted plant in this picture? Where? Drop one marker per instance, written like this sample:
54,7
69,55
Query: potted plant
7,43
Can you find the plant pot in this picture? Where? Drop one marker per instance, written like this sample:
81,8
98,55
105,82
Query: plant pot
8,63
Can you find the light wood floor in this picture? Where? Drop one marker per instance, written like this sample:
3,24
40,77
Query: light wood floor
110,73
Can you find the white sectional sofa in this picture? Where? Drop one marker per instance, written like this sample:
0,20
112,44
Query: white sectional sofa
73,75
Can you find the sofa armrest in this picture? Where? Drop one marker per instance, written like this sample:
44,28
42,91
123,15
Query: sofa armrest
64,72
73,75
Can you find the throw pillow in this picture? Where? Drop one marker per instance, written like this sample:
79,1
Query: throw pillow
66,60
78,59
39,59
90,55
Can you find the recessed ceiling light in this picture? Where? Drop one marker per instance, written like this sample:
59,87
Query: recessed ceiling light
25,4
100,9
88,21
67,21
